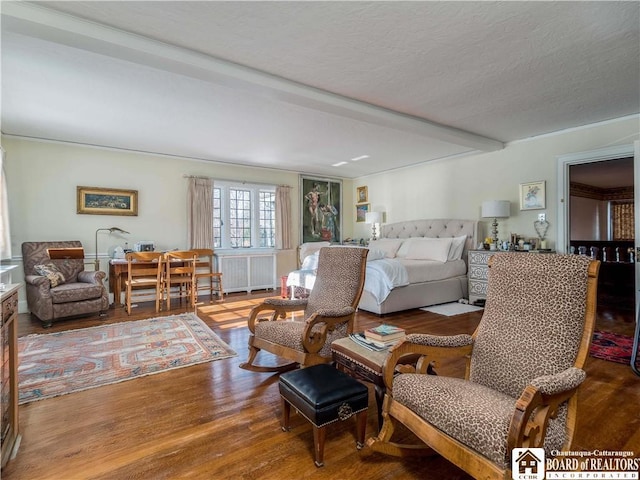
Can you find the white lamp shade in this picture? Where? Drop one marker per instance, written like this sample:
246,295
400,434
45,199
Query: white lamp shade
496,208
373,217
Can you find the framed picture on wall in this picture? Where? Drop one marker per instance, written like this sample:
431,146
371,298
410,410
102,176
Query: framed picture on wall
361,212
106,201
321,209
362,194
532,195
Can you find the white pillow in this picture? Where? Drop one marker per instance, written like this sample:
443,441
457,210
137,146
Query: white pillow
310,262
429,249
404,248
457,247
309,248
388,245
375,254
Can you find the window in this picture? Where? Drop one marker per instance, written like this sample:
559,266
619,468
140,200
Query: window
622,220
243,215
267,212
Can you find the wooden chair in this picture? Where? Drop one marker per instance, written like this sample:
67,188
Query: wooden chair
524,367
144,272
329,313
205,269
180,272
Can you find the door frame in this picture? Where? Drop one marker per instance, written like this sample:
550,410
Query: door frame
563,164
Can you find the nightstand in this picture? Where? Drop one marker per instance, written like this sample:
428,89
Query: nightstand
478,273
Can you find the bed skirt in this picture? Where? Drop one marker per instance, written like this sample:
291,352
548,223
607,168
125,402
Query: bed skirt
417,295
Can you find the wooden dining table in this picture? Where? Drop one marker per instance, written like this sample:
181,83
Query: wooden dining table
118,272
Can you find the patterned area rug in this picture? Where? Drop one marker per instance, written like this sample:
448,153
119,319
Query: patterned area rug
611,347
59,363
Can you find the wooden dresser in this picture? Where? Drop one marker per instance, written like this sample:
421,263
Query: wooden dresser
9,372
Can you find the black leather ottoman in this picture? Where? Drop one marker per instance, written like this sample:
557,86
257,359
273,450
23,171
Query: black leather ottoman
323,395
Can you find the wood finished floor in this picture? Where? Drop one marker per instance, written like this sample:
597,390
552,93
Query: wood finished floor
217,421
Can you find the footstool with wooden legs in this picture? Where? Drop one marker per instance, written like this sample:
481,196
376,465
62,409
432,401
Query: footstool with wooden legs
323,395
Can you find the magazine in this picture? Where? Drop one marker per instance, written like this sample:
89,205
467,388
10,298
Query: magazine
361,340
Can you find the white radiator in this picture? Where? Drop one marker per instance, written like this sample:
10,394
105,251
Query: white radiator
247,272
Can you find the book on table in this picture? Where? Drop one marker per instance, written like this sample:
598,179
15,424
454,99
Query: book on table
385,333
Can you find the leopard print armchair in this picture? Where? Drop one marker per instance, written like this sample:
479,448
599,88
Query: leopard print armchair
329,313
61,288
524,366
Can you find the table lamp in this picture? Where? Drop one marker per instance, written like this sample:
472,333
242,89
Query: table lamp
373,218
110,230
495,209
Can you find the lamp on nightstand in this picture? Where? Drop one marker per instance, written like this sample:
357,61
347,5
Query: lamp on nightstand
495,209
373,218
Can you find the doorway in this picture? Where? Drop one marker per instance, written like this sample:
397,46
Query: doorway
601,225
601,178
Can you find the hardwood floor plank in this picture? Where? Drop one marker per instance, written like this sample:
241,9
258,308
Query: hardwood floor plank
215,420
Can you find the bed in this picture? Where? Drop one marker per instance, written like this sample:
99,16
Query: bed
429,282
414,264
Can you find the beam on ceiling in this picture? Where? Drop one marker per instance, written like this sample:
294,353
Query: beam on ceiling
52,26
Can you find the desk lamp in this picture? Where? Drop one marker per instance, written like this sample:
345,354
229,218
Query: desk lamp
110,230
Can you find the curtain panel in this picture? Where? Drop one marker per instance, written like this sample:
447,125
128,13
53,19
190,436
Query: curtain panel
623,220
283,218
200,212
5,236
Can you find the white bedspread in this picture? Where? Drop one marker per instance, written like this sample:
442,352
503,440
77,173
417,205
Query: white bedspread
384,275
381,277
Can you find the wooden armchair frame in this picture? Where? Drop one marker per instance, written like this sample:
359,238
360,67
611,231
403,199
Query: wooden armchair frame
317,326
533,409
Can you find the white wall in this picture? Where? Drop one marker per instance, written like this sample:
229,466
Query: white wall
43,176
588,219
455,188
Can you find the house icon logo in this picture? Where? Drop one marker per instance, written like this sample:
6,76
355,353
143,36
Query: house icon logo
527,463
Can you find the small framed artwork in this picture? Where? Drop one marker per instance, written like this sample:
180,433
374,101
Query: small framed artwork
532,195
107,201
362,194
361,212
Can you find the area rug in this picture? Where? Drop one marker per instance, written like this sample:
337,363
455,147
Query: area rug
612,347
451,309
59,363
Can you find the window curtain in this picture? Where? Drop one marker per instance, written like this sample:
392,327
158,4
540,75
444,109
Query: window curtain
5,237
623,220
200,212
283,217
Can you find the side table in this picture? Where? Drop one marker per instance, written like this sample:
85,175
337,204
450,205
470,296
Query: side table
365,364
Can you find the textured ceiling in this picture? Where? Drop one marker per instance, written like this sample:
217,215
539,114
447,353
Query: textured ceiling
304,85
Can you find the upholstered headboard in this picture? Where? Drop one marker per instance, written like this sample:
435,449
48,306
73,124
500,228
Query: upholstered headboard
435,228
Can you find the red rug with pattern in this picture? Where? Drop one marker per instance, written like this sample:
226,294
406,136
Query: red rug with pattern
55,364
612,347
